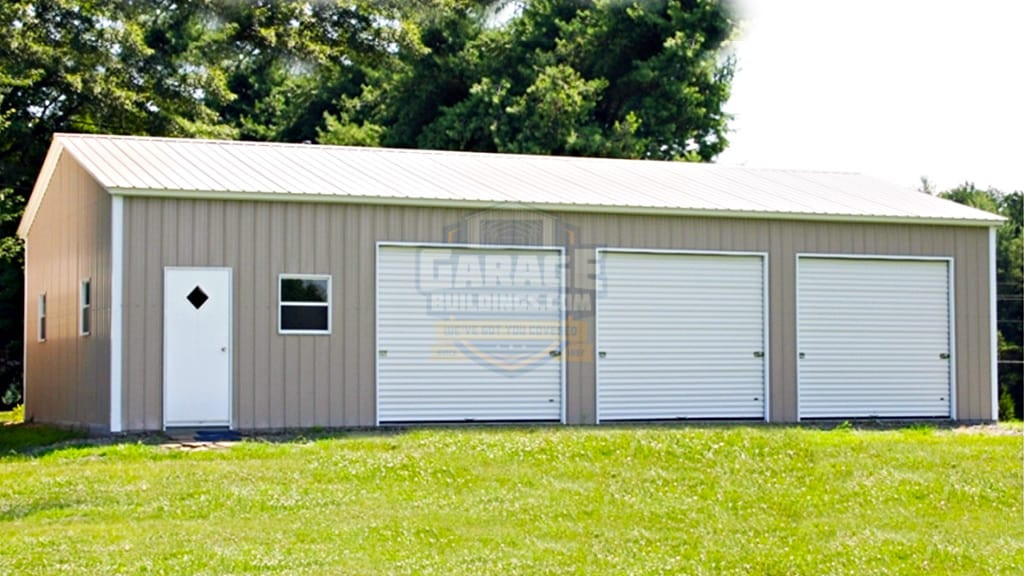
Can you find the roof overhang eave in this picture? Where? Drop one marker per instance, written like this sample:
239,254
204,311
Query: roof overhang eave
995,220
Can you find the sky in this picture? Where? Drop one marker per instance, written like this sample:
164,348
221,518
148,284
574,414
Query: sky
895,89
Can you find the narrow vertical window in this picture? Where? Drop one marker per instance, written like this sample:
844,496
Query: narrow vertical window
85,312
304,304
41,314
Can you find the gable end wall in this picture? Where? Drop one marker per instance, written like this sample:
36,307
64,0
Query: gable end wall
67,377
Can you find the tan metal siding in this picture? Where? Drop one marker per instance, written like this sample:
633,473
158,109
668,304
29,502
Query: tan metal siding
291,381
67,378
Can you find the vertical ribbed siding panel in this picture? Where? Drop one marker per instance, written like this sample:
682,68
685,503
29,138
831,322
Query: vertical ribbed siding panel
321,415
142,348
974,400
580,353
981,331
581,374
365,328
968,306
336,361
265,318
279,239
239,227
291,381
304,388
351,254
680,336
871,338
783,311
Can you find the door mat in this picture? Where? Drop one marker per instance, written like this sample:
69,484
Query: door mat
217,436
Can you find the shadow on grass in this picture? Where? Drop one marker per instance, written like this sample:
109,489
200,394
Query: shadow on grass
38,440
22,438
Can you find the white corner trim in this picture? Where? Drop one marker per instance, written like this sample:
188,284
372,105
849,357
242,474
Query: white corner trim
993,327
766,330
116,308
25,328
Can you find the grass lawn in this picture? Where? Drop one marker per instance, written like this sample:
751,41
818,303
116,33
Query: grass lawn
16,437
644,500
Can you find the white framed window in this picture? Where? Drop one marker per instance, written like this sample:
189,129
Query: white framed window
41,318
85,308
304,304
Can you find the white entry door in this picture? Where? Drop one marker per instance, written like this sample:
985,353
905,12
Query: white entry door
197,347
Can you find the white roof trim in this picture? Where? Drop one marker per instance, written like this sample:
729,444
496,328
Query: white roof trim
39,190
543,207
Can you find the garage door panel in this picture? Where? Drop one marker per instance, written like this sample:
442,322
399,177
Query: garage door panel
446,349
872,335
677,336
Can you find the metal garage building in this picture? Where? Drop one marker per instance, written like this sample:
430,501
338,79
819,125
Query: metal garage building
204,283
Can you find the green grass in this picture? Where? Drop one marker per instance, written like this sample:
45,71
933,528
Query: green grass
17,437
671,500
10,417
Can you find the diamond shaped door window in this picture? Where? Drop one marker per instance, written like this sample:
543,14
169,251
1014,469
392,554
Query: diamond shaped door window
197,297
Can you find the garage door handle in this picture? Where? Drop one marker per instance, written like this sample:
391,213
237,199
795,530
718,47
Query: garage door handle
555,353
800,355
758,354
602,354
382,354
944,355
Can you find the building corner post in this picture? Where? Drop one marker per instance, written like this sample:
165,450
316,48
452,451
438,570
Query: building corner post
116,309
993,323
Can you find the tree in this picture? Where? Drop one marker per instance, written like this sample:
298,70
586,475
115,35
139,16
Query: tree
1009,288
288,64
601,78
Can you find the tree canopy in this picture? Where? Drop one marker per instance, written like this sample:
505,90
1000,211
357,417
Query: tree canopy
641,80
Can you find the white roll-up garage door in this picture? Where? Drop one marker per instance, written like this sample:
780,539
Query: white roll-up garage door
873,338
469,334
680,336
